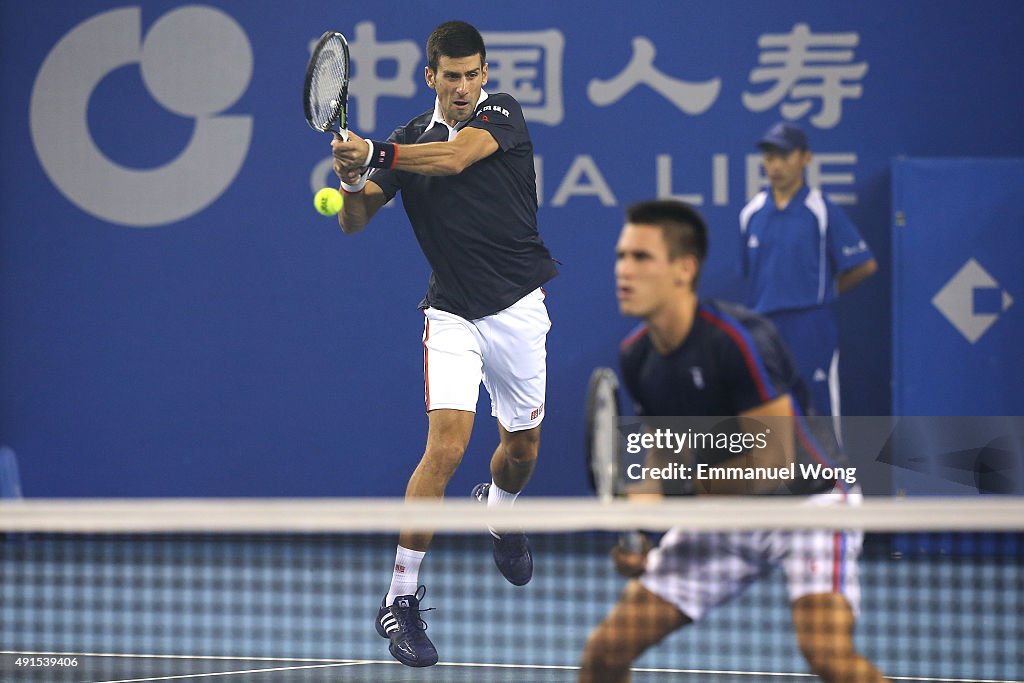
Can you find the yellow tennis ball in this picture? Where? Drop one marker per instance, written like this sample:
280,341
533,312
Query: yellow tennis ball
328,201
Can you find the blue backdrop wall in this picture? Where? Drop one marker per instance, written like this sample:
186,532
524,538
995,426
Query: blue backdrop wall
176,320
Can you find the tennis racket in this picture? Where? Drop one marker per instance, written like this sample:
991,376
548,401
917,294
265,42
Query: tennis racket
604,445
325,92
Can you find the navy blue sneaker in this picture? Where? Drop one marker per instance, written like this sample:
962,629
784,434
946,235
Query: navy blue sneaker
511,550
401,624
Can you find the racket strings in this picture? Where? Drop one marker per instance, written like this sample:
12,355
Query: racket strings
329,80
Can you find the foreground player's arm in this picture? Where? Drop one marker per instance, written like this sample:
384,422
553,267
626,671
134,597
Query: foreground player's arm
469,146
780,451
630,562
647,489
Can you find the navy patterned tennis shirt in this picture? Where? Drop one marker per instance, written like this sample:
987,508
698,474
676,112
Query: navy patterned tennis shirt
731,361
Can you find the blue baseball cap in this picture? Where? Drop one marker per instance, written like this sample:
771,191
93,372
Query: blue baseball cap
784,136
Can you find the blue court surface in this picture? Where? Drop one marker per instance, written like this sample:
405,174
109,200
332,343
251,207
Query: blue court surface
81,610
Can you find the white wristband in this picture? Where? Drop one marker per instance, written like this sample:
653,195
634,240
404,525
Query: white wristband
358,185
369,153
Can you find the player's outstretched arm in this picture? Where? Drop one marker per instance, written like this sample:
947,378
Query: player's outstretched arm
469,146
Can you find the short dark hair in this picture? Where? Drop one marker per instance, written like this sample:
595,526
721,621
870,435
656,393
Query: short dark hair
454,39
682,226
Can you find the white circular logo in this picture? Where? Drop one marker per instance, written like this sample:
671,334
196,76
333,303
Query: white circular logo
196,62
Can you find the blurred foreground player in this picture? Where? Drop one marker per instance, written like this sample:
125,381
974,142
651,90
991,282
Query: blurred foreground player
696,358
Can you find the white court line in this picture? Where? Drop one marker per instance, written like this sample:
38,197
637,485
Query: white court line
329,663
214,658
231,673
325,664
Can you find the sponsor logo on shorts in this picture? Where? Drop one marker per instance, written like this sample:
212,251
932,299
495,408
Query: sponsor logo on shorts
537,412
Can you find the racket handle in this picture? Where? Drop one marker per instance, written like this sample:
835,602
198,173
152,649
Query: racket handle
633,542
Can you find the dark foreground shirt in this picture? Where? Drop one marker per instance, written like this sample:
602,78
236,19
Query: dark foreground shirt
731,361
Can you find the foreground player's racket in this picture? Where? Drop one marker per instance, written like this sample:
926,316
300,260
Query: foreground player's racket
604,444
325,92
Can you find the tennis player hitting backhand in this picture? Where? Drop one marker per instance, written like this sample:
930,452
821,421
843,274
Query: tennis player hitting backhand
695,357
466,174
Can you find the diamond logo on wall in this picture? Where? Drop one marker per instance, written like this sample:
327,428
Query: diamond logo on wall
972,301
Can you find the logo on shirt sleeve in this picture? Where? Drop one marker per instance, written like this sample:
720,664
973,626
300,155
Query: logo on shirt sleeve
859,248
494,109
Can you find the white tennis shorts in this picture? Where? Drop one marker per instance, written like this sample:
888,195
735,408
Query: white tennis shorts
505,350
697,572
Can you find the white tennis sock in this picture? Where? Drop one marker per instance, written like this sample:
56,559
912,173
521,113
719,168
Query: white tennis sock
406,577
497,497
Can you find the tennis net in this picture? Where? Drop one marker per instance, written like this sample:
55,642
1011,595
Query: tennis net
287,590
